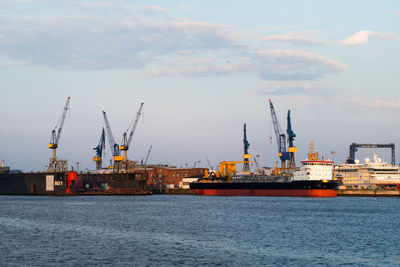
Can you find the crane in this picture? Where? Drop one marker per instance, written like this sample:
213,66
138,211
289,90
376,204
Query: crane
126,141
148,154
116,153
99,150
280,139
55,164
291,149
246,155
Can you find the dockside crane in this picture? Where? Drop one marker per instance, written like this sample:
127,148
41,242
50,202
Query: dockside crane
127,141
54,163
99,151
291,149
116,153
246,155
281,142
148,154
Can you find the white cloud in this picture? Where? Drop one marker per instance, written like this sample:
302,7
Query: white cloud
375,103
395,12
356,104
151,9
100,43
362,37
152,48
295,39
269,65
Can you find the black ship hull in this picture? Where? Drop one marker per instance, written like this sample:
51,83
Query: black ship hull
290,189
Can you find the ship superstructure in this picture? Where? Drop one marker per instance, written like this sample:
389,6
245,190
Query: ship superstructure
313,168
371,173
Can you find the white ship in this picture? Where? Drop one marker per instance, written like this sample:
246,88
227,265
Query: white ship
314,169
372,173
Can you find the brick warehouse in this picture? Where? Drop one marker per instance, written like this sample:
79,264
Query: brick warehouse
163,175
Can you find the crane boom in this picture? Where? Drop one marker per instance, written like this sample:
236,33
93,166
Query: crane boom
99,150
101,145
127,141
63,119
139,112
113,146
54,163
280,137
148,154
56,138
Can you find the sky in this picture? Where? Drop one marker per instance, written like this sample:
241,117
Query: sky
202,69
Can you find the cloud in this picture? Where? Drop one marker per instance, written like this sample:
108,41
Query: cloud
284,88
366,103
83,42
395,12
356,104
362,37
152,48
151,9
269,65
291,65
295,39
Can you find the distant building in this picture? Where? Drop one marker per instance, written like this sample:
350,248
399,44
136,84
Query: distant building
168,176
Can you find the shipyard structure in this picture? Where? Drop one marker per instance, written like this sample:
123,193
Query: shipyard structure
122,177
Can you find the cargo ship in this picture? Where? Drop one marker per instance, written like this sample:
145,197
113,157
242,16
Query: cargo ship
313,179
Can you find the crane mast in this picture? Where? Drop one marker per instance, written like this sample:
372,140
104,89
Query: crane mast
127,141
281,142
246,155
291,149
99,150
54,163
116,153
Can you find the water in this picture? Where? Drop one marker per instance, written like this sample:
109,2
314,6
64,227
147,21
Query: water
198,230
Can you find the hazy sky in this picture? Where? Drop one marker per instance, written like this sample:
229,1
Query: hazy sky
202,69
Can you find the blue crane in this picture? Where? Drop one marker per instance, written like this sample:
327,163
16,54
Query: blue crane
246,155
99,150
292,149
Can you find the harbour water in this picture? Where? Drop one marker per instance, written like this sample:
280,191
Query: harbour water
198,230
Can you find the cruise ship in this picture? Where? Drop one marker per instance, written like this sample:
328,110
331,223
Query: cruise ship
373,173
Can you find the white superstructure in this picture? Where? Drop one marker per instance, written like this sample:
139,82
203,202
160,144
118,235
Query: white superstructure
375,172
314,169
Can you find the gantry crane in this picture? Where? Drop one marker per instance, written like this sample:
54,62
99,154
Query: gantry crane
284,170
116,153
125,140
99,151
246,155
54,163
